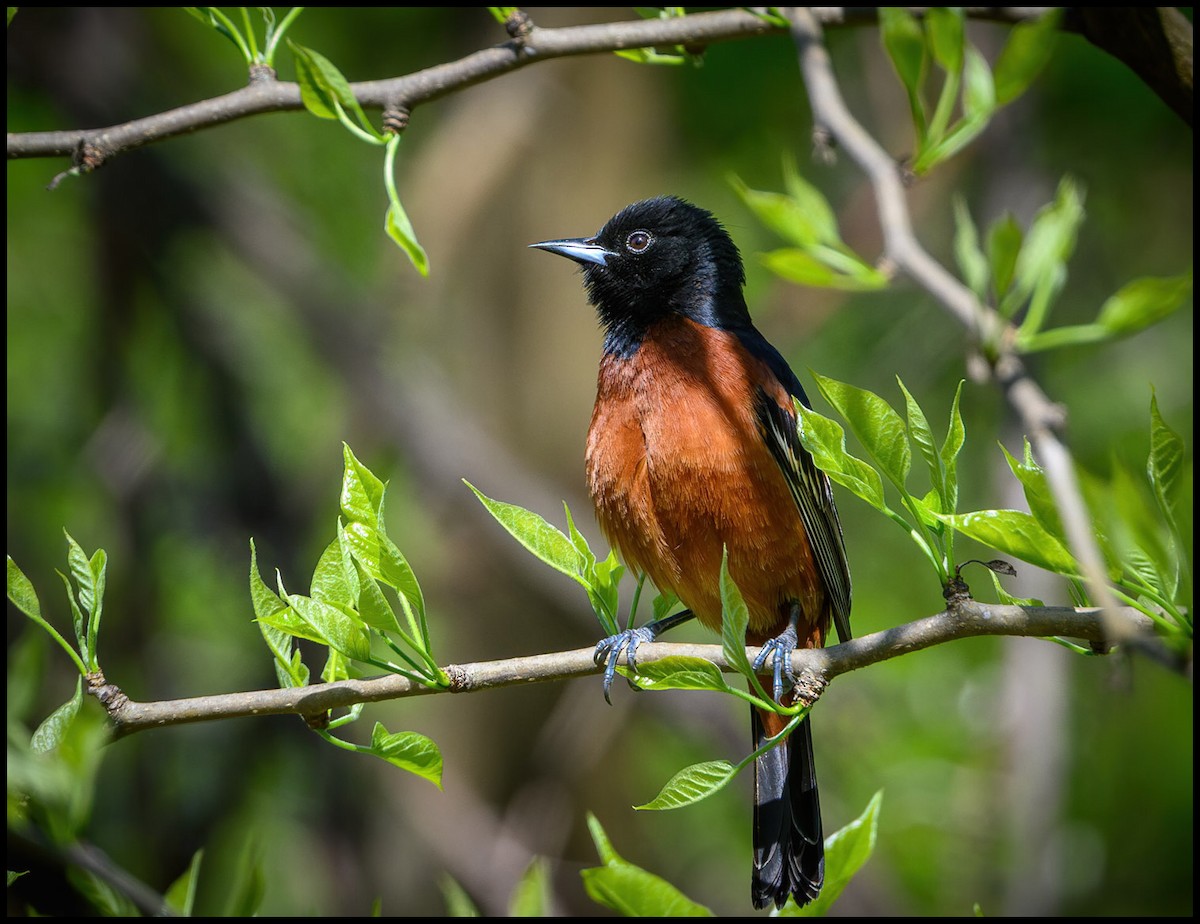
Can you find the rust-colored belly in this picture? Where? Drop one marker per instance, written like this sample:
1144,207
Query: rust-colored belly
678,471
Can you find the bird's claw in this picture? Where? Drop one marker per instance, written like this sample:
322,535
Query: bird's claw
608,652
779,650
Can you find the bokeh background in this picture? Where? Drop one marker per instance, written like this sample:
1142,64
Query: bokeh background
194,329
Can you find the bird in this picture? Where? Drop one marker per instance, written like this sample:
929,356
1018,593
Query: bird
693,454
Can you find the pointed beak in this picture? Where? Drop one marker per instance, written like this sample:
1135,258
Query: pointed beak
579,249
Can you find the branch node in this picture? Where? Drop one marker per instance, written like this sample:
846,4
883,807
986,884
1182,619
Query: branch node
395,120
824,146
809,687
957,594
317,721
261,73
86,158
460,680
109,695
519,26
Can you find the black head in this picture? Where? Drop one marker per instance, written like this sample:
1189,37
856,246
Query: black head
654,259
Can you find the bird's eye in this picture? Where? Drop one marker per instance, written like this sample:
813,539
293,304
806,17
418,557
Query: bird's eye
638,241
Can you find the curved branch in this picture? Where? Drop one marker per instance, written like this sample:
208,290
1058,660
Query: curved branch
1041,418
965,619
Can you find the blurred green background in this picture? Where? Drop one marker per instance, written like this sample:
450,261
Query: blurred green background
195,328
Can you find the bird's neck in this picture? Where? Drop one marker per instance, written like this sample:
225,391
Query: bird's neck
625,331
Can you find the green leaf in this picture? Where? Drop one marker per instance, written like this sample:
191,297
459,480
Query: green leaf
1004,596
846,852
922,435
1016,533
1037,492
400,230
361,498
662,604
734,619
409,751
1143,302
819,214
529,898
803,268
246,893
53,729
944,26
971,261
373,606
600,579
1041,265
904,42
24,598
650,56
289,622
181,894
458,902
978,104
362,504
1133,539
1029,48
326,93
544,541
332,582
81,571
1165,467
501,13
630,890
680,673
979,90
956,435
826,442
804,217
213,17
1003,246
277,622
22,594
604,848
341,631
878,427
692,784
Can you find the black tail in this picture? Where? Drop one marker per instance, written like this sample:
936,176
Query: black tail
789,849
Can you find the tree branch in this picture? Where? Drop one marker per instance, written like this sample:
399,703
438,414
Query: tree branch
965,619
1041,418
90,148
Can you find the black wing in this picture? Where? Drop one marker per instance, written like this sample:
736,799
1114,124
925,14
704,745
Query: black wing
810,487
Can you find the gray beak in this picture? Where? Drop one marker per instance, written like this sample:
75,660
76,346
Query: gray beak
579,249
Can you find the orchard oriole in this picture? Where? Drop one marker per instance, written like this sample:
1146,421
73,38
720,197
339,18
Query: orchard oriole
693,453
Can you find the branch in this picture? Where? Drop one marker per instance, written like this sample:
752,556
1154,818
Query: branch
965,619
1041,418
91,148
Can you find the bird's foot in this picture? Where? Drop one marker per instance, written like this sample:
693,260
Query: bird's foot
778,651
608,652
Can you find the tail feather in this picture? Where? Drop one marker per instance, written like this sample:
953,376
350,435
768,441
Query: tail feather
789,848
